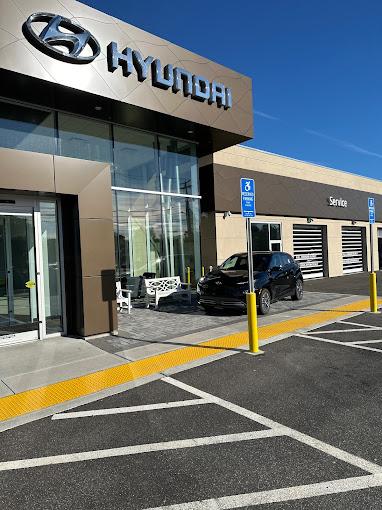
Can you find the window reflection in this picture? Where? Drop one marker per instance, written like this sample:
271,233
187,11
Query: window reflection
178,166
26,129
84,138
135,160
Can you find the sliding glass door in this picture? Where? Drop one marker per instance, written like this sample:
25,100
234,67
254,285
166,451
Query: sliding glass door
30,271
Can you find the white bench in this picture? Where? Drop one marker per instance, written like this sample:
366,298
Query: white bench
157,288
123,298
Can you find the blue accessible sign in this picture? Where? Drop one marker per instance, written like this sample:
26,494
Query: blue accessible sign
371,202
247,191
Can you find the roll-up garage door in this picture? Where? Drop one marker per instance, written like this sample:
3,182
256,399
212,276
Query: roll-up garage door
308,246
352,249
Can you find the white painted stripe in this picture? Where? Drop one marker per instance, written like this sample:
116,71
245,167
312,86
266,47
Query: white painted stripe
360,342
280,495
364,326
137,449
332,331
131,409
298,436
346,344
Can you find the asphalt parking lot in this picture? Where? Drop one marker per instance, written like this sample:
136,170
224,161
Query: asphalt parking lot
297,428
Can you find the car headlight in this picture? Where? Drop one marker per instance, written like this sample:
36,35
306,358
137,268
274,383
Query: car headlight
201,280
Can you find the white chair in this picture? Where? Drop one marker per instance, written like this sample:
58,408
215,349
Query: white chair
123,298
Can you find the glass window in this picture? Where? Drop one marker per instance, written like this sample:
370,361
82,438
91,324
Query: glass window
181,219
178,166
240,262
138,225
135,160
51,267
156,234
84,138
287,259
260,236
276,260
275,231
26,129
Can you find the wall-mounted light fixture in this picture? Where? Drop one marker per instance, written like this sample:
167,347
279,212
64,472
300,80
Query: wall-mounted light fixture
309,219
353,222
226,214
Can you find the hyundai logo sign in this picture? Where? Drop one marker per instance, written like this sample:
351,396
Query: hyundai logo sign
52,38
76,45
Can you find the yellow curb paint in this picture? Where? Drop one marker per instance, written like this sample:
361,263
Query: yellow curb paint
57,393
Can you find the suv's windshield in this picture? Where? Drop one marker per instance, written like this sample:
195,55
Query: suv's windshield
237,262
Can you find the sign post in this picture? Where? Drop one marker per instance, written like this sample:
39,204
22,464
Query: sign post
248,211
373,275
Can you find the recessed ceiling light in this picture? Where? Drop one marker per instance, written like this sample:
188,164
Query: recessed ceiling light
98,108
190,131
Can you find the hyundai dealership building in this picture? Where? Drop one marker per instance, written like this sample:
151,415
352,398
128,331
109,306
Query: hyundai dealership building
119,156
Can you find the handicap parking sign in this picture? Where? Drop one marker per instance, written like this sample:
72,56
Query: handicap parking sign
371,202
247,191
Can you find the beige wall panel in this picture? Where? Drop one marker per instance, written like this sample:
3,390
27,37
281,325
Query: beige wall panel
95,200
73,175
100,312
334,231
97,246
230,236
252,159
29,171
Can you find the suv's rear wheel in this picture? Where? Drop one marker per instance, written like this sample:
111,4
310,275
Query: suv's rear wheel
298,291
264,301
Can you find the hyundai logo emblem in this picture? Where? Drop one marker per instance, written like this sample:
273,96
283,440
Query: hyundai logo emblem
73,42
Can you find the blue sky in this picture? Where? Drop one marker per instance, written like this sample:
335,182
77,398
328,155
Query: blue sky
316,67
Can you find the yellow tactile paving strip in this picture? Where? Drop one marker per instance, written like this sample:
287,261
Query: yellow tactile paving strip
57,393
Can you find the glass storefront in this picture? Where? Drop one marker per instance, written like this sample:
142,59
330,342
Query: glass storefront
157,227
156,234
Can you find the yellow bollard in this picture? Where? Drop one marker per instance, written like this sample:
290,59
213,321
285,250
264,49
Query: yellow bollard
188,275
253,332
373,293
202,270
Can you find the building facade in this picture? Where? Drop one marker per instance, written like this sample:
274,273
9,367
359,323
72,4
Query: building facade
101,129
317,214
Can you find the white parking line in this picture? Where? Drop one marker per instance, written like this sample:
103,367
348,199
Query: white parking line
359,342
346,344
280,495
331,331
137,449
131,409
298,436
363,326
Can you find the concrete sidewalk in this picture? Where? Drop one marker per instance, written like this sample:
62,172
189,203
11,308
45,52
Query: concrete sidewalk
28,366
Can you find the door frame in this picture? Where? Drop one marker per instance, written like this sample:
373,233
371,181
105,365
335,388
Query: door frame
21,205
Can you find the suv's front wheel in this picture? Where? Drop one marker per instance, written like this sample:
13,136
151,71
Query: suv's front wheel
299,291
264,303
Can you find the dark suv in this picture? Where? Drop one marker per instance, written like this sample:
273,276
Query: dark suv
276,275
